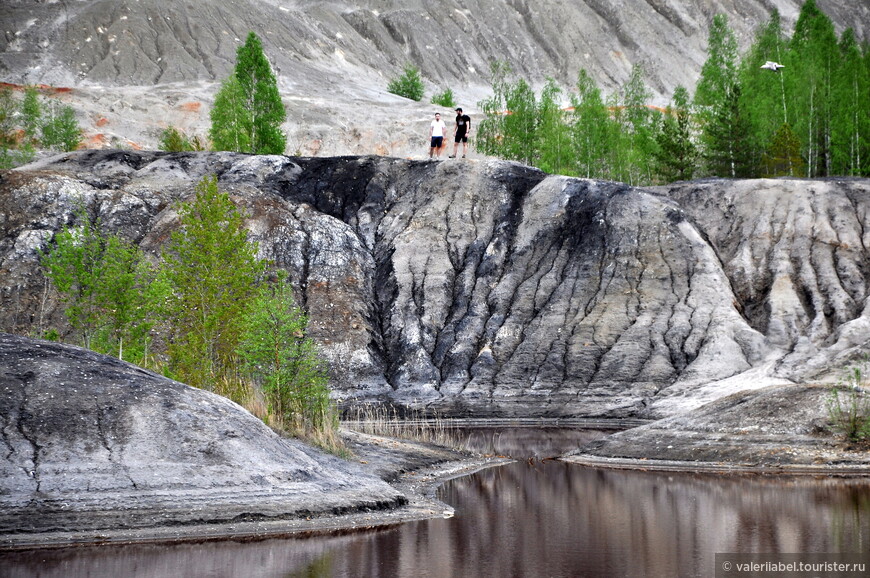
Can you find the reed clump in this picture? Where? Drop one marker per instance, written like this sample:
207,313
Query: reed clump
388,420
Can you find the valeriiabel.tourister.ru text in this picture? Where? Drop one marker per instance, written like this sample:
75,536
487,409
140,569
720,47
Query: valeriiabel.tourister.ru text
826,565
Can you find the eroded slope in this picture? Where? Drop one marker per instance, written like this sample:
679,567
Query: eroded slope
489,288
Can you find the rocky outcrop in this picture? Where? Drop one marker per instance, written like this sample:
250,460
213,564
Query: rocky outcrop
778,428
90,443
488,288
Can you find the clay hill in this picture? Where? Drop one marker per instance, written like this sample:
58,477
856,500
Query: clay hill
475,288
135,66
93,445
487,288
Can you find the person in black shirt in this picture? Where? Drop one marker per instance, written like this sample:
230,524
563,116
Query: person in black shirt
461,132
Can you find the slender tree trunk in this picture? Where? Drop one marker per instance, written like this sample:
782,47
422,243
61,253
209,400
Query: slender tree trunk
810,140
855,141
784,107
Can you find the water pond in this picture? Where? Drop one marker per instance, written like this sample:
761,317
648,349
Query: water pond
535,517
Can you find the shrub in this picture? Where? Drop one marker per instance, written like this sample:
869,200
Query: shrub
849,406
409,84
61,129
445,99
283,361
107,286
33,123
173,140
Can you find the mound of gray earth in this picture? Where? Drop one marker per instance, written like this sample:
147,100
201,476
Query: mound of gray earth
776,428
475,288
150,42
490,289
135,67
90,443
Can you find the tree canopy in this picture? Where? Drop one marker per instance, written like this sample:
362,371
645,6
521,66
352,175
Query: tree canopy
248,112
807,117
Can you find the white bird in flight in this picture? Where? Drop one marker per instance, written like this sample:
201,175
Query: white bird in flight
771,65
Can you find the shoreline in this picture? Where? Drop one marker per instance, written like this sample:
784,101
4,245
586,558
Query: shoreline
416,470
717,468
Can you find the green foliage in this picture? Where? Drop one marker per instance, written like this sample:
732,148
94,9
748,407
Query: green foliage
717,102
510,126
727,150
763,96
284,362
263,101
107,286
490,130
17,156
596,140
33,123
248,112
12,152
409,84
445,98
174,140
553,133
638,125
815,59
31,113
783,156
676,154
212,271
51,335
851,123
218,317
849,405
8,109
229,118
719,72
733,128
520,123
593,129
61,129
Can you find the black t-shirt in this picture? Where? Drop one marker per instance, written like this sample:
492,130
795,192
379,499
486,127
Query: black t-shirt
462,122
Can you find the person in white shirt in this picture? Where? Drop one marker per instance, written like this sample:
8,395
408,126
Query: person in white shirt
436,136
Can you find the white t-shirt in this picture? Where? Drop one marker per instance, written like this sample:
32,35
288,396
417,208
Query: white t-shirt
438,127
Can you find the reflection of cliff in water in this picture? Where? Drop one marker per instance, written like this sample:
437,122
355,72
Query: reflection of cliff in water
533,518
535,442
559,519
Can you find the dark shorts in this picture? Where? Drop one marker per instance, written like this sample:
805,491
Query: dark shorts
460,138
437,141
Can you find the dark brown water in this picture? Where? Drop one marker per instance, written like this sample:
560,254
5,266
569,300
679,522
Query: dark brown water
532,518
